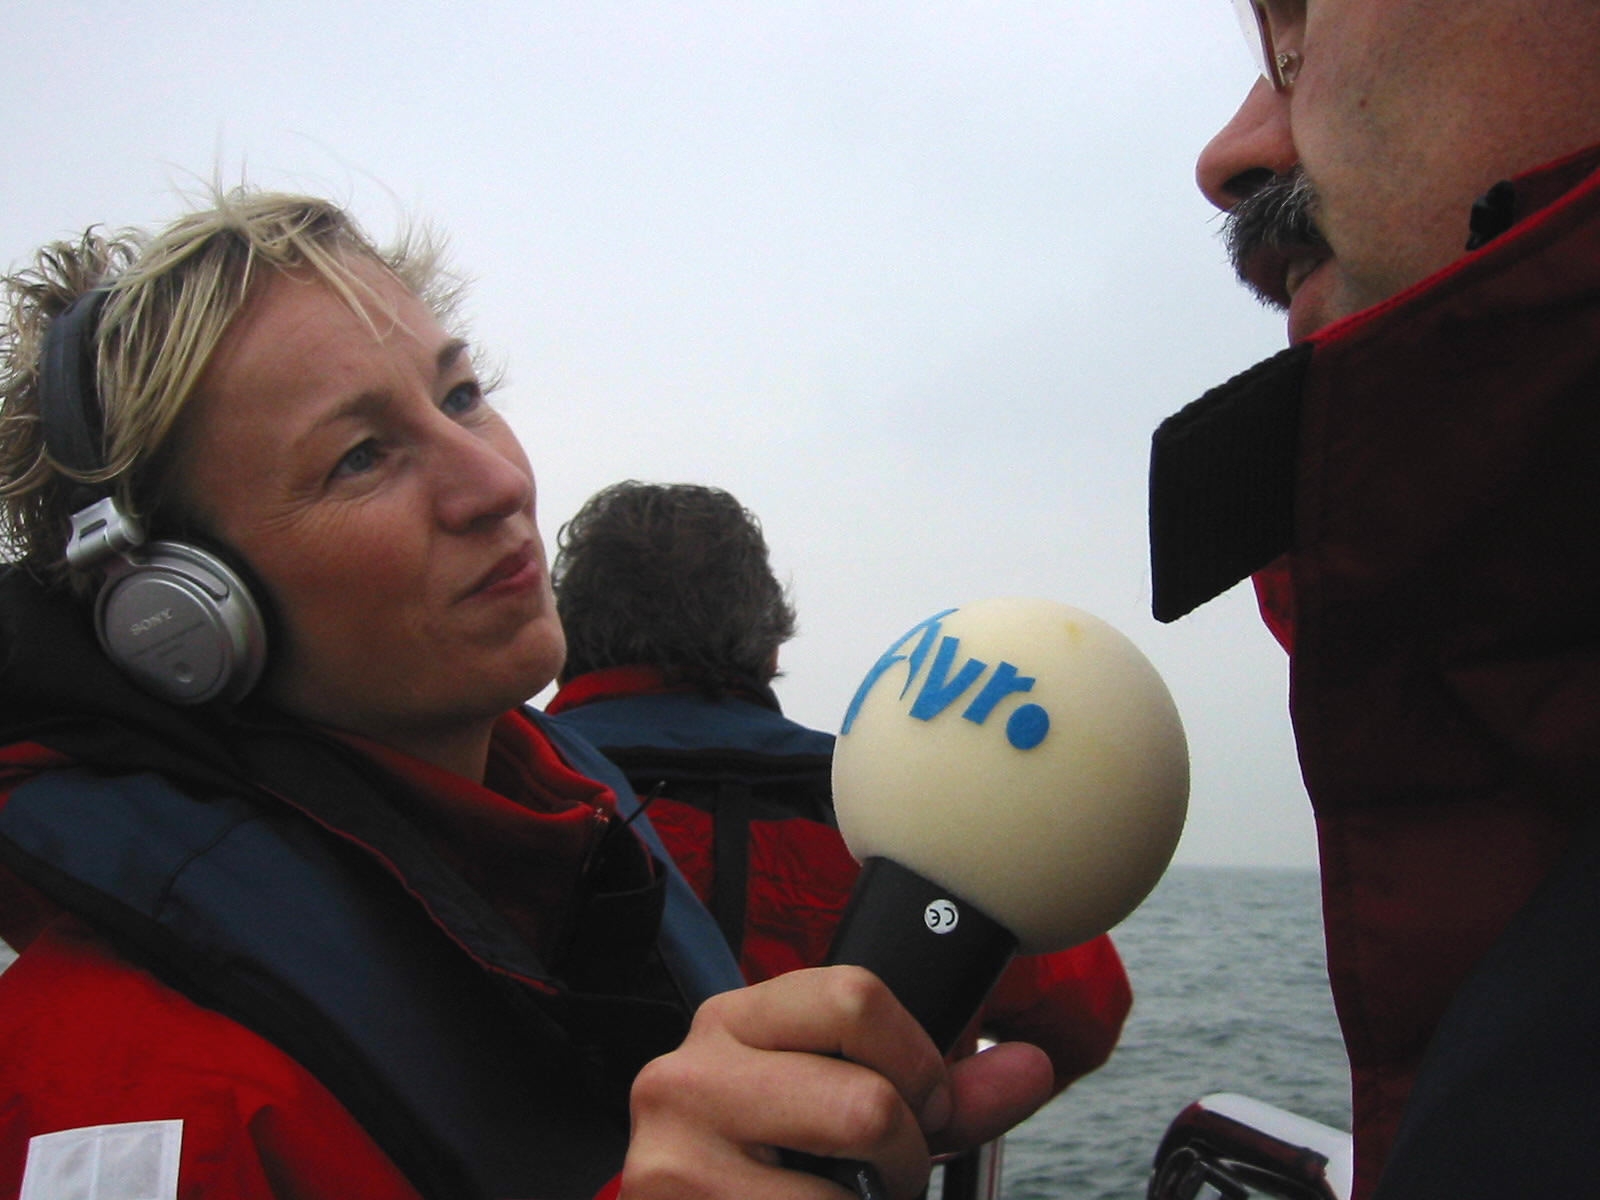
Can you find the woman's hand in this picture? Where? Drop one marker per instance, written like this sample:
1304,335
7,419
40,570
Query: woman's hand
824,1061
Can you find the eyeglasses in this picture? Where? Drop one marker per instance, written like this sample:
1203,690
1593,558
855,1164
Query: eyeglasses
1280,66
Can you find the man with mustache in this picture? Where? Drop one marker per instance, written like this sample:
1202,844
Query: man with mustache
1413,486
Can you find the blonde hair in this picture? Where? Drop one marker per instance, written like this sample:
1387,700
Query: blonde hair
171,297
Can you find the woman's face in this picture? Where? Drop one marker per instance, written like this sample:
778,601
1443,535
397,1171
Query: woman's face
385,507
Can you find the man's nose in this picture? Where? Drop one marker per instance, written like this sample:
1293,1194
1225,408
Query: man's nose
1251,149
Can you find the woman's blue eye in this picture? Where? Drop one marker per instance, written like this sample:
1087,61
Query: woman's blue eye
462,398
363,458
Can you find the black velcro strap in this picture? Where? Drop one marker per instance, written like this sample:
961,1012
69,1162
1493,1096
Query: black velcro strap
1222,476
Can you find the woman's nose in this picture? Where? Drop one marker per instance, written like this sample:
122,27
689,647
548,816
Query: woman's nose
1252,148
483,476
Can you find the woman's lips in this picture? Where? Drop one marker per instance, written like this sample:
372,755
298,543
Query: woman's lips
515,572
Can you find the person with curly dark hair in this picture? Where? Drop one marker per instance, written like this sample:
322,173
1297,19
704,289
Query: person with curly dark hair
674,620
674,575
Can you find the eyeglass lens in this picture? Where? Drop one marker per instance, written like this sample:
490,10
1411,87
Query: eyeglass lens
1257,30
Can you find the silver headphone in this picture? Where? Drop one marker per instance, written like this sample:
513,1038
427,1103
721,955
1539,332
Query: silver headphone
174,616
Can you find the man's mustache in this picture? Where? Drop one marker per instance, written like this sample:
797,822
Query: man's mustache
1279,216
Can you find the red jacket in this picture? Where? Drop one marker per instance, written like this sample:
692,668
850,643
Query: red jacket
88,1039
1428,469
800,874
90,1036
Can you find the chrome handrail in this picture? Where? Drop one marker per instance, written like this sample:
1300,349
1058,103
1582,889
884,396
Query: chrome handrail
1230,1147
973,1174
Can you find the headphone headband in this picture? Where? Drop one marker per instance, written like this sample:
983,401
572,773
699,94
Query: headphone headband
69,400
176,617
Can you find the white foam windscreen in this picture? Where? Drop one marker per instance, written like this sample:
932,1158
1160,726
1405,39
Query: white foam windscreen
1024,754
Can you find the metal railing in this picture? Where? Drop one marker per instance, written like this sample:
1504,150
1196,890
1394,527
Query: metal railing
975,1174
1230,1147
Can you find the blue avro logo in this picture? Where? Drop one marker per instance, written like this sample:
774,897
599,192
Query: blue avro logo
931,669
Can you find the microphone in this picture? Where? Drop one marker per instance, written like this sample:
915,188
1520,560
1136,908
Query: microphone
1013,776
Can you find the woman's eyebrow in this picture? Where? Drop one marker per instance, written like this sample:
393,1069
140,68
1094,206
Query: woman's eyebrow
449,354
366,403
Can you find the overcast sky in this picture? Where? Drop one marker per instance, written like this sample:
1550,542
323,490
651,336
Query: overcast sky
914,279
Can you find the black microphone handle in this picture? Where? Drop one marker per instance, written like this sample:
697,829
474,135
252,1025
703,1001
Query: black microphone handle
938,954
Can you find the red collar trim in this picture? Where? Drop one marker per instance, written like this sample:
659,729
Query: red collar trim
524,767
615,683
1541,196
609,683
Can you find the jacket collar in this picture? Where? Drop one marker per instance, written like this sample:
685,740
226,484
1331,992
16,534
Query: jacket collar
612,683
1225,470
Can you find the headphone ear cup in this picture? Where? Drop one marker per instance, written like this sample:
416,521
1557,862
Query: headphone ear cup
182,623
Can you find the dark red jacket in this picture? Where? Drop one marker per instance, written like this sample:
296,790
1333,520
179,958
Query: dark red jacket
1429,470
797,872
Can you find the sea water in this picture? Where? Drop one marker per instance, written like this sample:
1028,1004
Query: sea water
1230,995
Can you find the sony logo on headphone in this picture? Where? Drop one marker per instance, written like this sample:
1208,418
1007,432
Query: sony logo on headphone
148,623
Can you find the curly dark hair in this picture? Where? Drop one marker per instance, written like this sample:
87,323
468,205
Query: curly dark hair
672,576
